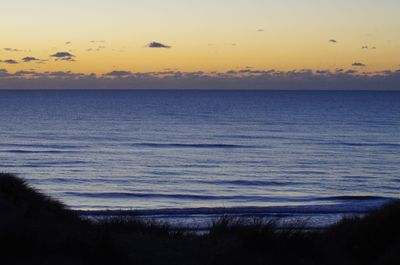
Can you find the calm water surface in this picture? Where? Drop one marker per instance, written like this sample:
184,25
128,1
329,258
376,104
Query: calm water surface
97,150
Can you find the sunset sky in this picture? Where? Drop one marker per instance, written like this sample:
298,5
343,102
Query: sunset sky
101,36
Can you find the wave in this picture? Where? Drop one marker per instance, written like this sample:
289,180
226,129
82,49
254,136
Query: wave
248,137
246,198
277,211
53,146
257,183
304,172
354,198
360,144
36,151
191,197
372,144
55,163
208,146
114,195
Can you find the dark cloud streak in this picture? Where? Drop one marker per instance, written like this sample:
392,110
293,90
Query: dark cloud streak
158,45
12,50
304,79
357,64
29,59
63,56
9,61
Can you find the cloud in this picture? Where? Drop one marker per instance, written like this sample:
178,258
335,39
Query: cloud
3,73
158,45
9,61
97,49
25,72
366,47
12,50
63,56
118,74
63,75
249,72
260,79
351,72
29,59
333,41
356,64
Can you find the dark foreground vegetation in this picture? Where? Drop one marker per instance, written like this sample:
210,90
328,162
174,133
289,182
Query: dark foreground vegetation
35,229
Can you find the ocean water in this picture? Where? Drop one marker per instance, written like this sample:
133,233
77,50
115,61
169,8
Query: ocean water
184,153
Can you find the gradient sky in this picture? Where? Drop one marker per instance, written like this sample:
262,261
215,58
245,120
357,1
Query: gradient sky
205,35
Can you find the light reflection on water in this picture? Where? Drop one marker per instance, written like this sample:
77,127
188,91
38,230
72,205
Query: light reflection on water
171,149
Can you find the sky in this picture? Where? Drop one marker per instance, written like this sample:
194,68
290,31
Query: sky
209,39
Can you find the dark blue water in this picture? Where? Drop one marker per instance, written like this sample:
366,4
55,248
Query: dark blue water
97,150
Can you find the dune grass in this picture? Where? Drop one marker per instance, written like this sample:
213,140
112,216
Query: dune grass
35,229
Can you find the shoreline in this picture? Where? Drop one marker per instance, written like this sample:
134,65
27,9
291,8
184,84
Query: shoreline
37,229
312,217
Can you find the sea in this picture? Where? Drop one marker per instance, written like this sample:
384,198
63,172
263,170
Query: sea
190,156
